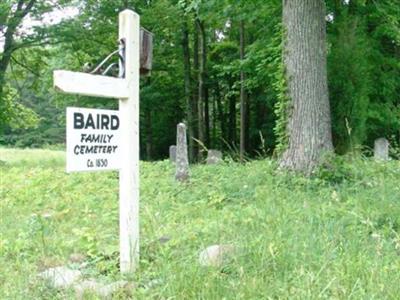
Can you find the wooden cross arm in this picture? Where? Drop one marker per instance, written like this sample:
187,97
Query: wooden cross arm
90,85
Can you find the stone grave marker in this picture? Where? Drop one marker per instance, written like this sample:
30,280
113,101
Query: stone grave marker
214,157
172,153
381,149
182,160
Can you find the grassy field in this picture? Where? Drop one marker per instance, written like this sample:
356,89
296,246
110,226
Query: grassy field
296,238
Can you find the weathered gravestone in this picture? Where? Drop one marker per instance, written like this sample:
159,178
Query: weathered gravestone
172,153
182,161
214,157
381,149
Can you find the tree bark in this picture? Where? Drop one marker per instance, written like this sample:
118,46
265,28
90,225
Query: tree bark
213,138
188,88
201,77
220,109
149,135
206,116
232,119
14,22
195,88
148,128
243,96
309,121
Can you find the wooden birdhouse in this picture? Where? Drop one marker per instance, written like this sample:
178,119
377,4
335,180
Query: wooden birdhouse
146,51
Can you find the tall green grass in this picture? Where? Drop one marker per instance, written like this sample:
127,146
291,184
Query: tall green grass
295,237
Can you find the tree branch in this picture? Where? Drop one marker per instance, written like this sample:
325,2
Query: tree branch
28,8
24,66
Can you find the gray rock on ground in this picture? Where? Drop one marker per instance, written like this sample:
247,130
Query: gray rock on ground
164,239
64,278
216,255
61,277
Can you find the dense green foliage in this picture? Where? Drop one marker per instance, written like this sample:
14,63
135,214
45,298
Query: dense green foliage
25,36
364,73
363,65
333,236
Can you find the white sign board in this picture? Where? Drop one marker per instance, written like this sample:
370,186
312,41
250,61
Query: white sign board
93,139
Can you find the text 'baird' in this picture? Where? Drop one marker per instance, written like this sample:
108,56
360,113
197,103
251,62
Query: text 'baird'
101,121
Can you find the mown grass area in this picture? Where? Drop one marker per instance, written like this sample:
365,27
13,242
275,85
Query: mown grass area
296,238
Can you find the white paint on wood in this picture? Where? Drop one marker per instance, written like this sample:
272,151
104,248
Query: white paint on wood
129,28
127,91
90,85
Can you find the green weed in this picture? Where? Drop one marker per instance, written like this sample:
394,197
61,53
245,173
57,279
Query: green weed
331,236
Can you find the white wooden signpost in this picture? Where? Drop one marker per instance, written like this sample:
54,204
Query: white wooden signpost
115,134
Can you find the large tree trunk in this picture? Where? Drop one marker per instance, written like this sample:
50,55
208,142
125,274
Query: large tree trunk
207,117
195,88
201,77
149,134
232,120
243,96
188,91
220,109
148,127
6,56
213,137
309,121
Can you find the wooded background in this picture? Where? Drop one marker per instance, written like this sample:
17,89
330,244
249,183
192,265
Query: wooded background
217,66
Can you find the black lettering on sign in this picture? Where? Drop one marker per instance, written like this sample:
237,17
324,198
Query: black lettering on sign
101,163
78,120
100,121
76,149
89,163
104,121
90,122
114,122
